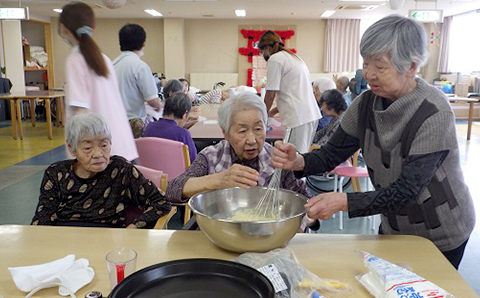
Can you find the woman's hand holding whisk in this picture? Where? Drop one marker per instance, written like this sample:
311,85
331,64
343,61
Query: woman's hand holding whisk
238,176
285,156
323,206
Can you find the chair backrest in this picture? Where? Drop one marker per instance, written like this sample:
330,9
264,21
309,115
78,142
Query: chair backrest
169,156
157,177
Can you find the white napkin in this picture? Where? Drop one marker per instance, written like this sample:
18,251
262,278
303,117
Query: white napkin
210,122
66,271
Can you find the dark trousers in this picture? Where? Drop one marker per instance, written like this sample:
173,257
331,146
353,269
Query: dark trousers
453,256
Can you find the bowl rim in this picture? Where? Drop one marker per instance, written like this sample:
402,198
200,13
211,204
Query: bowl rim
241,221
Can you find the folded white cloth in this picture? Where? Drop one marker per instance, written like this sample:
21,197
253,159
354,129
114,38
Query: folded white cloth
210,122
67,272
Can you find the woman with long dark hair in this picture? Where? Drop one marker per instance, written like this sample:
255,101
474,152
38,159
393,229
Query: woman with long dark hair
91,81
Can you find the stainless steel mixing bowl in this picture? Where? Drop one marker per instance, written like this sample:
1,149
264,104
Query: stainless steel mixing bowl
212,209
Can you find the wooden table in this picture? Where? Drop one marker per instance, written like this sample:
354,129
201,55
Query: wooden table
211,132
32,96
471,101
328,256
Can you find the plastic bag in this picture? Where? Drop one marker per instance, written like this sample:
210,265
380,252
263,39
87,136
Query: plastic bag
387,280
290,279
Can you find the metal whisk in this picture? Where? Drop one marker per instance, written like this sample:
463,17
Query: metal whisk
268,206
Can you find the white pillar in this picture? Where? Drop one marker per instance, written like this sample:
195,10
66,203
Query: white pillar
174,45
13,53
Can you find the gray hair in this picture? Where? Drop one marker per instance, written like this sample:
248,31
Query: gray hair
242,102
84,125
403,39
324,84
172,86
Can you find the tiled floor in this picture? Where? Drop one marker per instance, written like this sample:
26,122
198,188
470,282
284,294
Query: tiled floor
21,173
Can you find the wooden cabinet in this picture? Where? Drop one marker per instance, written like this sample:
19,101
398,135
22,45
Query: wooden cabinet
39,34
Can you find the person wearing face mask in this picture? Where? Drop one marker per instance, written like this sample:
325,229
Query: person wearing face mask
288,82
137,85
91,83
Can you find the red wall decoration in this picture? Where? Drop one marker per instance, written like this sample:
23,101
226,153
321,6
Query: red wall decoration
253,36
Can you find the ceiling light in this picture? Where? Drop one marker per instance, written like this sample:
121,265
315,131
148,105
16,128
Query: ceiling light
57,10
240,12
327,13
153,12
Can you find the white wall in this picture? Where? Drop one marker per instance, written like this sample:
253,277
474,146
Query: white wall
12,40
212,45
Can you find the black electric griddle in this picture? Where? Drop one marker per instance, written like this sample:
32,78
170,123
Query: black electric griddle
195,278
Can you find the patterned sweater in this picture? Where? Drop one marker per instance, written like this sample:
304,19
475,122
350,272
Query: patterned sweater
218,158
101,200
420,193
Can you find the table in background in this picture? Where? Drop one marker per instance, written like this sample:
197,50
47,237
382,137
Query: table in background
211,132
471,101
326,255
32,97
13,113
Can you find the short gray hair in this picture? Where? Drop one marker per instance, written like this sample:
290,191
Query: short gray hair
172,86
84,125
403,39
242,102
324,84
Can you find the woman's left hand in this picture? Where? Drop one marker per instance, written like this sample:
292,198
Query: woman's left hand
323,206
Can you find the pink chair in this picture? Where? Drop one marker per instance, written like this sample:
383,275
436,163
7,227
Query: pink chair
169,156
165,155
159,179
354,172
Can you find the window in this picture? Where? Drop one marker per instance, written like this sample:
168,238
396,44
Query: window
464,43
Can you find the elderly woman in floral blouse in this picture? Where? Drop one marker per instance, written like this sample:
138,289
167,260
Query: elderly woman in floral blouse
95,189
241,160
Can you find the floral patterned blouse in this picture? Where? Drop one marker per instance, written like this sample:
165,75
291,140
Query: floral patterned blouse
100,200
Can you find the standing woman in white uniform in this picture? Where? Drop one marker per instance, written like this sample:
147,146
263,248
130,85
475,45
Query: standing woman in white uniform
91,80
288,80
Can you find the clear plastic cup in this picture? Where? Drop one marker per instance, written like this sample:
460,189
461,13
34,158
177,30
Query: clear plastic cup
121,262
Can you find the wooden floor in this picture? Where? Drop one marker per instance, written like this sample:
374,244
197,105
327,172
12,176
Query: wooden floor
34,142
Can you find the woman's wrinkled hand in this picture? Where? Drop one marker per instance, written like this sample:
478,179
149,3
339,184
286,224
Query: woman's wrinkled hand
323,206
238,176
285,157
190,122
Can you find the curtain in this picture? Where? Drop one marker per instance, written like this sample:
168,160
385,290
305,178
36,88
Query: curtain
342,45
444,45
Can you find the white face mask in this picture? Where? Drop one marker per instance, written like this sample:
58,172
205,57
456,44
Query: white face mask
141,53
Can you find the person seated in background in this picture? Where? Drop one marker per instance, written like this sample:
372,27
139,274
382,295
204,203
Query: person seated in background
175,115
319,86
342,84
216,96
188,90
95,189
135,80
332,105
241,160
173,86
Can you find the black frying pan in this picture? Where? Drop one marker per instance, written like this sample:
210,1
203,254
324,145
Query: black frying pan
195,278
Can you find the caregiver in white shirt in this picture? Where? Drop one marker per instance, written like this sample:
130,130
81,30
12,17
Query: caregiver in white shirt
288,80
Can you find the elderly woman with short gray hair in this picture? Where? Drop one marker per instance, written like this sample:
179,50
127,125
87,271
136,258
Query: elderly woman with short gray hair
96,189
406,129
241,160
